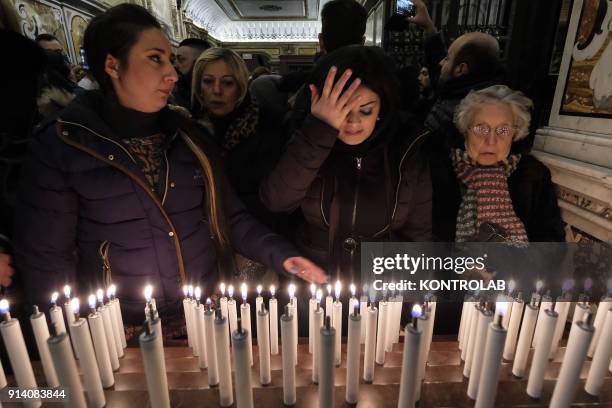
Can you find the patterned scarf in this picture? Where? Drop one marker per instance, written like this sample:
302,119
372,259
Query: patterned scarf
487,198
242,125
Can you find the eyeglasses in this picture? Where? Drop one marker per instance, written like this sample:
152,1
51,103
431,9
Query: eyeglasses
483,130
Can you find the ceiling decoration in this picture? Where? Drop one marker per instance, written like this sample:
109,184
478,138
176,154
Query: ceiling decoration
257,20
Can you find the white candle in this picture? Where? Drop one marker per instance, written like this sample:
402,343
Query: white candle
245,316
195,340
231,310
117,307
329,303
187,310
562,308
209,345
545,304
470,312
154,320
108,332
389,334
513,328
326,365
426,324
273,306
17,352
258,299
577,346
263,343
525,336
493,350
484,320
428,335
200,333
539,363
96,325
318,323
56,316
337,324
154,367
399,303
410,360
226,397
287,342
223,302
363,306
381,334
292,310
462,323
87,361
353,355
581,308
241,344
600,318
311,306
69,317
602,355
294,313
471,340
66,369
41,334
116,329
370,344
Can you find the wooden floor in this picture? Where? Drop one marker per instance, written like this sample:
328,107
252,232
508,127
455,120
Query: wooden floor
444,384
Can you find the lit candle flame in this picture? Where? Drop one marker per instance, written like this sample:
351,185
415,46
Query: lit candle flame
329,289
75,305
4,306
109,293
291,291
417,311
319,295
353,289
148,293
338,289
113,289
67,291
100,295
259,290
511,285
539,285
208,301
54,297
243,291
313,289
185,290
92,301
568,285
230,291
222,289
198,293
501,306
190,288
272,290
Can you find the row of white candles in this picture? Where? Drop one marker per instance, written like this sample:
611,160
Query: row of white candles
479,330
98,342
540,324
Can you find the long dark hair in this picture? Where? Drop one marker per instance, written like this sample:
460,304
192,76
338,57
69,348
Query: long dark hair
370,64
114,32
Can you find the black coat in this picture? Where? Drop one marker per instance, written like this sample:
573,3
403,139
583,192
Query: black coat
82,192
377,192
531,190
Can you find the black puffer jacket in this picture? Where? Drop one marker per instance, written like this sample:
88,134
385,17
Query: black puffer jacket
84,200
377,191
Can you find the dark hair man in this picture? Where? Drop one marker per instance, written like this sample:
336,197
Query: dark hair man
187,53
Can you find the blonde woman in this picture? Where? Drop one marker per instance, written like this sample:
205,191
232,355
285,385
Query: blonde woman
250,142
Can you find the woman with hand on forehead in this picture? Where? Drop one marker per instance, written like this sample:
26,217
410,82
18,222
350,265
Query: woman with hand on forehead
355,167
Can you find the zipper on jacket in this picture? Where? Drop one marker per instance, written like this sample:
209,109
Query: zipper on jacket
167,177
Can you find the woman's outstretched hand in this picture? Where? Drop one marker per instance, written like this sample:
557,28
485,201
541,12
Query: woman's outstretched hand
332,105
305,269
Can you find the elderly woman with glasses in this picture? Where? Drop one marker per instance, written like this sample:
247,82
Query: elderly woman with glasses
488,189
